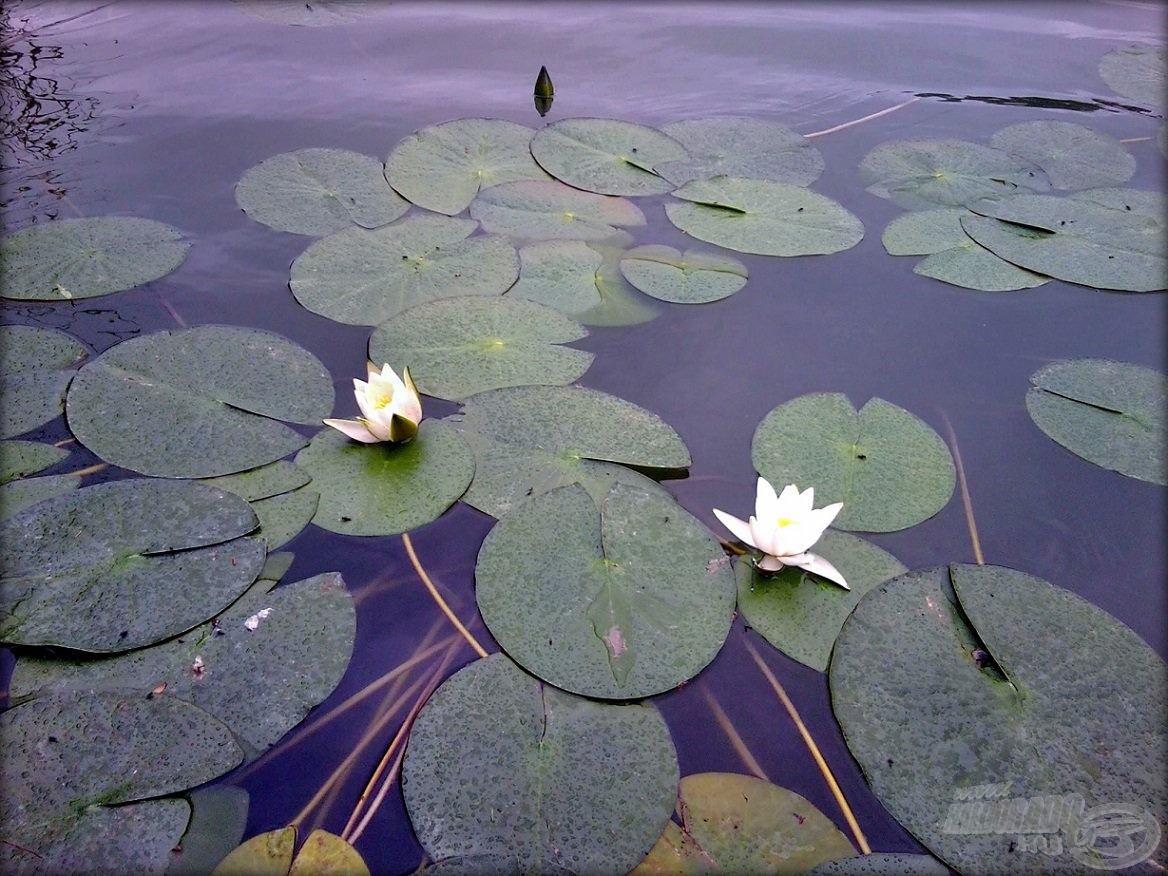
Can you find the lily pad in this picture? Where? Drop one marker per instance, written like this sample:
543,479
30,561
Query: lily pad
692,277
260,682
19,459
950,680
764,217
801,615
1110,413
1075,240
15,496
618,601
124,564
1137,71
364,277
460,346
38,365
733,823
888,467
883,864
319,191
606,156
267,854
276,495
137,404
1072,156
741,146
924,174
325,852
218,820
443,167
385,489
550,210
84,258
569,783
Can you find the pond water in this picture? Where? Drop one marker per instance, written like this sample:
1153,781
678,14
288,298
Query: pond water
157,109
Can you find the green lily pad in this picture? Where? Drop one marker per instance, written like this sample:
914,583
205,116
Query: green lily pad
276,495
882,864
84,258
124,564
801,615
134,405
692,277
38,365
19,459
460,346
364,277
618,602
764,217
1149,204
218,820
924,174
385,489
949,680
889,468
1109,413
443,167
581,280
1072,156
1075,240
550,210
744,147
606,156
733,823
568,782
263,482
15,496
1137,71
259,682
319,191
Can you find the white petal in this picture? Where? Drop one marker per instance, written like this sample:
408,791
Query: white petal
766,503
740,528
354,430
817,565
770,564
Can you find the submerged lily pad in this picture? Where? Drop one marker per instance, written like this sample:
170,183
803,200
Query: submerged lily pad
364,277
692,277
319,191
732,823
888,467
951,679
741,146
606,156
38,365
618,602
800,614
385,489
457,347
443,167
1072,156
124,564
569,783
135,405
763,217
1137,71
550,210
85,258
1109,413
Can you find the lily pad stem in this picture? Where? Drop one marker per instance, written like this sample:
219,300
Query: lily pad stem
965,500
437,597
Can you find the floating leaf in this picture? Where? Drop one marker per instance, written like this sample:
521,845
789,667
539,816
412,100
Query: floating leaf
456,347
19,459
1150,204
15,496
267,854
38,365
275,494
741,146
263,482
606,156
732,823
124,564
620,604
882,864
951,679
325,852
1072,156
1075,240
364,277
888,467
569,783
218,820
550,210
1136,71
85,258
763,217
923,174
443,167
384,489
1109,413
692,277
319,191
801,615
198,402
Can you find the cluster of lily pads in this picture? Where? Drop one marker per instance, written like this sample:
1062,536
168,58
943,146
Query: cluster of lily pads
594,579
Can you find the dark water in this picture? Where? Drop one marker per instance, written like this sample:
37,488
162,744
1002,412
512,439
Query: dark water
157,109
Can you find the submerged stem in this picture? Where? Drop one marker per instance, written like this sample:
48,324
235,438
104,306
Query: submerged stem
965,500
732,734
437,597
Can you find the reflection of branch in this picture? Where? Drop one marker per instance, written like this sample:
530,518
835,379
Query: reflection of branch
965,500
867,118
861,840
437,597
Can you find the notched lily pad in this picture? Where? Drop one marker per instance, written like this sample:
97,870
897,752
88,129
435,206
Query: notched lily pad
38,365
606,156
692,277
550,210
1072,156
1137,71
741,146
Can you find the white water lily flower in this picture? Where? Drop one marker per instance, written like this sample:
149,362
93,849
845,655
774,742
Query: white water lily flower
390,407
784,528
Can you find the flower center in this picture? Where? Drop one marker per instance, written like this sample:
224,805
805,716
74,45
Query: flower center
786,521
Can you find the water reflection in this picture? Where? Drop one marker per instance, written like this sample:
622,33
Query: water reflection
1036,102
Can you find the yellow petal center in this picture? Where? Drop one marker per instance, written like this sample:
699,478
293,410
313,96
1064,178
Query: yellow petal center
785,521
